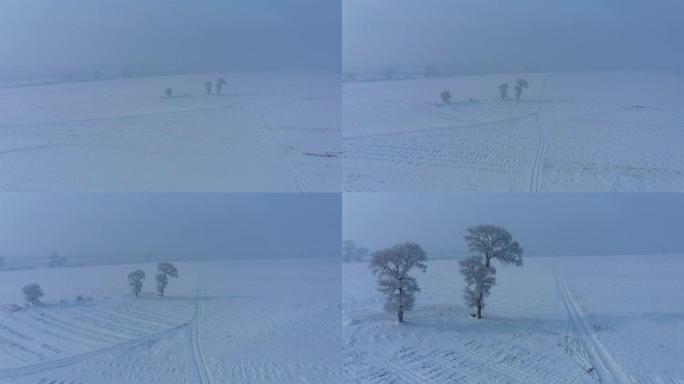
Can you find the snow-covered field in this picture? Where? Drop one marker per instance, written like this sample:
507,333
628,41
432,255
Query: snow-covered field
612,131
239,321
270,131
609,319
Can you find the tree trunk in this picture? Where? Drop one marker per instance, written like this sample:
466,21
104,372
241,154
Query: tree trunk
487,260
479,310
400,315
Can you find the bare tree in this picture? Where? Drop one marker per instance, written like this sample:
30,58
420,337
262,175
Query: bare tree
430,71
479,280
350,76
494,242
32,293
164,271
361,253
168,92
208,86
391,267
520,84
503,91
348,250
446,97
135,279
389,73
220,83
56,260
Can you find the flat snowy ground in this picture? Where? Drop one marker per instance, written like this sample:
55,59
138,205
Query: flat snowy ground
570,132
266,132
555,320
268,321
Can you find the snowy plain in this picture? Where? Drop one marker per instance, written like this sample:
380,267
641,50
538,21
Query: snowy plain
266,132
608,319
593,131
237,321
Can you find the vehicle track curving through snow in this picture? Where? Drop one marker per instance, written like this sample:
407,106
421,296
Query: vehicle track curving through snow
14,373
198,354
538,164
605,366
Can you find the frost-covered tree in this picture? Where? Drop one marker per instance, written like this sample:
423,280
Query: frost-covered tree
220,83
348,250
430,71
56,260
389,73
352,252
350,76
494,242
391,267
446,97
208,86
361,253
520,84
479,280
168,92
164,271
503,91
32,293
135,280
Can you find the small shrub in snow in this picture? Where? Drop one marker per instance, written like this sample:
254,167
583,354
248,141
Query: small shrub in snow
168,92
446,97
389,73
10,308
32,293
56,260
391,267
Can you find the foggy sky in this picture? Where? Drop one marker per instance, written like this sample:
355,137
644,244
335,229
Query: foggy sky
182,34
545,224
192,225
505,36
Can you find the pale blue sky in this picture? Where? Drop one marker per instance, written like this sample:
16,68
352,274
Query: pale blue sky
204,34
505,35
194,225
545,224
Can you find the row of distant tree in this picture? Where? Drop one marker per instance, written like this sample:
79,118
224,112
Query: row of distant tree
393,266
519,87
34,292
54,261
209,87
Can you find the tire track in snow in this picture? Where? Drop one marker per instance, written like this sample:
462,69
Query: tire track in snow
61,363
442,363
31,148
198,354
538,164
120,117
299,180
14,373
608,370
